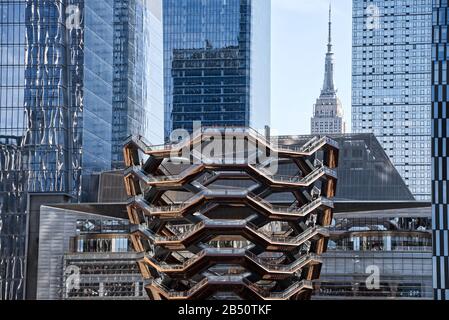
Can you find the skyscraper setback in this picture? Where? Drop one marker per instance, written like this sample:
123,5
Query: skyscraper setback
57,65
391,75
328,111
217,63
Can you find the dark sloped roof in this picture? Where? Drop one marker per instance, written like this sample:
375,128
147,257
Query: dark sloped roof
365,172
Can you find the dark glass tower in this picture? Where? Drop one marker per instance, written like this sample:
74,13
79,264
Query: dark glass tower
440,135
57,67
217,63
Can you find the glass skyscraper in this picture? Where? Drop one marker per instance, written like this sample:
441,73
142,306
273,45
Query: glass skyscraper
391,74
58,83
138,104
217,63
440,135
34,120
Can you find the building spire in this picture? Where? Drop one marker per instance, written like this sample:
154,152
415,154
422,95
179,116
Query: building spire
329,87
328,111
329,44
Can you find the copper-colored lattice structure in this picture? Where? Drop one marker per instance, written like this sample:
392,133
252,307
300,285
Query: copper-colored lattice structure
230,229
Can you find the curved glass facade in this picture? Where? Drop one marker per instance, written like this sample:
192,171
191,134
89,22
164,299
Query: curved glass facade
53,110
59,62
33,123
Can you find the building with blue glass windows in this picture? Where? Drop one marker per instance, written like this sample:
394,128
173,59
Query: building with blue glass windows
216,63
390,83
63,68
440,135
138,103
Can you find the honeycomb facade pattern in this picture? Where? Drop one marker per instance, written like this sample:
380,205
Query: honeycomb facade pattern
208,227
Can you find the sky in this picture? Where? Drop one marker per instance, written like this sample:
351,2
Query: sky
298,41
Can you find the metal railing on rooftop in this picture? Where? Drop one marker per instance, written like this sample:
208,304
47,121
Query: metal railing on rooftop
293,289
313,144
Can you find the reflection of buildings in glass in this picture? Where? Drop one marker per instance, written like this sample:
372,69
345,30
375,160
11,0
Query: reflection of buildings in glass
56,100
12,219
217,63
377,224
222,101
32,125
440,167
391,76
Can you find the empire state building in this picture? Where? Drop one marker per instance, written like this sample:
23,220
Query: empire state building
328,111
